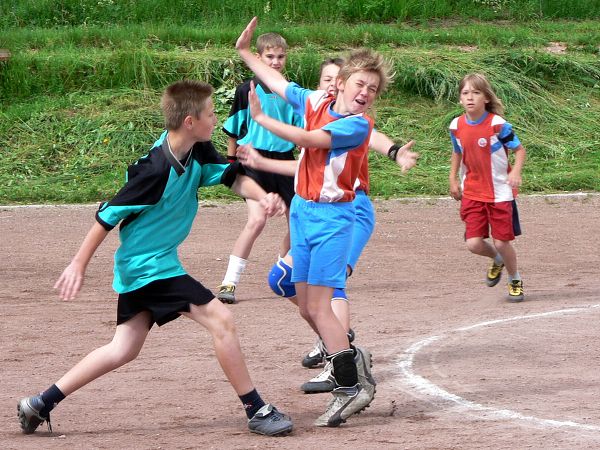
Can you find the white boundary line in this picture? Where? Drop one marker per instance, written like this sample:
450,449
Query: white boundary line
425,387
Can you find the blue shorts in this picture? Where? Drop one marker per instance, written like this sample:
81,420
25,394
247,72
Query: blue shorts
321,234
363,227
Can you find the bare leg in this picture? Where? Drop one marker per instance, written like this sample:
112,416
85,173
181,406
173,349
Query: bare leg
479,246
254,226
125,346
509,255
218,320
341,309
318,308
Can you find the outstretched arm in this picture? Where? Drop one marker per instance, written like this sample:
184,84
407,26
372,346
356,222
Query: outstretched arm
246,187
71,280
249,157
404,157
273,79
299,136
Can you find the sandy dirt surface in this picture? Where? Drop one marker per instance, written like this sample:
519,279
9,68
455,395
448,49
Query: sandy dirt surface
457,366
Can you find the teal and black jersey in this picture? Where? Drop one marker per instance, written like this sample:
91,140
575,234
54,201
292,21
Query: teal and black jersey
156,208
240,125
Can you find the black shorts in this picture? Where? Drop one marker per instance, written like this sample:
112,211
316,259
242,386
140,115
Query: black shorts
165,299
273,182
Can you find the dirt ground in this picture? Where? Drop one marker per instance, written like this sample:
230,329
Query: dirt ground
457,366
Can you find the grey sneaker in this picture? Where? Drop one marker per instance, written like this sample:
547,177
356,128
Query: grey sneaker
324,382
227,294
363,367
28,412
316,357
345,402
270,422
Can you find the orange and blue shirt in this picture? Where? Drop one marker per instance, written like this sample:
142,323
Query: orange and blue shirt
483,146
328,175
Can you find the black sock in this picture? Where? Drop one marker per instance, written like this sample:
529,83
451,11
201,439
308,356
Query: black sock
344,368
252,403
51,397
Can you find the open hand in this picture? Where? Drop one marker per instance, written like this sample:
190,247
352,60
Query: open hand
254,103
406,158
243,42
248,156
70,281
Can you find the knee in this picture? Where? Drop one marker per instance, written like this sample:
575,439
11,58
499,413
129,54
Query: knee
474,245
256,223
223,324
501,245
123,354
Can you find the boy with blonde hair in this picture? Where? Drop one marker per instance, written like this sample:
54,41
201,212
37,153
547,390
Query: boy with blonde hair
333,142
156,208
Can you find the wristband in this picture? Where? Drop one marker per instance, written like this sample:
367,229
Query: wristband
393,152
231,159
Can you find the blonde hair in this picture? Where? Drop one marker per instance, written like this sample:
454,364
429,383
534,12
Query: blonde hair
184,98
480,82
270,40
366,60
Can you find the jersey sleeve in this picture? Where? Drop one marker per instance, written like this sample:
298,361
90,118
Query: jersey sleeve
455,147
347,133
297,97
507,136
145,183
236,124
215,169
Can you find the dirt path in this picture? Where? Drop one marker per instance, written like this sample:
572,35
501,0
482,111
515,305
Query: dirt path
452,370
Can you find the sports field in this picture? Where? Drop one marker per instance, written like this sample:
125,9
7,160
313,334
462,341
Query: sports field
457,366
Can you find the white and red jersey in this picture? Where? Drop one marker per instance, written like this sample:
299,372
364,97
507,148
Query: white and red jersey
484,146
329,175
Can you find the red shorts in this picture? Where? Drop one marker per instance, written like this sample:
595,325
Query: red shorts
479,217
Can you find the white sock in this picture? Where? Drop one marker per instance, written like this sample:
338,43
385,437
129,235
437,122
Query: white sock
234,270
498,259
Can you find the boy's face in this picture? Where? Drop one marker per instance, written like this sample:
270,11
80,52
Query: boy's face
359,91
473,101
203,126
328,77
274,57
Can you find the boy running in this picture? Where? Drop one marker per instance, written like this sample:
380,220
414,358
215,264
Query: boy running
156,208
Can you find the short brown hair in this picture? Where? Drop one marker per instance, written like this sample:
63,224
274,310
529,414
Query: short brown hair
328,61
481,83
184,98
270,40
367,60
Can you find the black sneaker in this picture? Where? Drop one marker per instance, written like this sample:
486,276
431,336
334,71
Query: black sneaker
324,382
28,412
316,357
270,422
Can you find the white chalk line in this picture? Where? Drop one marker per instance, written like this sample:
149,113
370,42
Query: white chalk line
424,386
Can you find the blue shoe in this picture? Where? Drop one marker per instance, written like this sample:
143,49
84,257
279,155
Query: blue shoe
270,422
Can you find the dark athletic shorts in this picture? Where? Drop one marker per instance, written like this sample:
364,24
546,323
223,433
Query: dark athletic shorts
273,182
165,299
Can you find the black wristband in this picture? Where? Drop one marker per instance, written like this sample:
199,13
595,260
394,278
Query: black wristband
231,159
393,152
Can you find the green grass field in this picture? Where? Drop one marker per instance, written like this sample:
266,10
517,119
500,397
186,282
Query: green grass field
79,96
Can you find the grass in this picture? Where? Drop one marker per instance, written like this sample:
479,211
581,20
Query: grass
78,104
